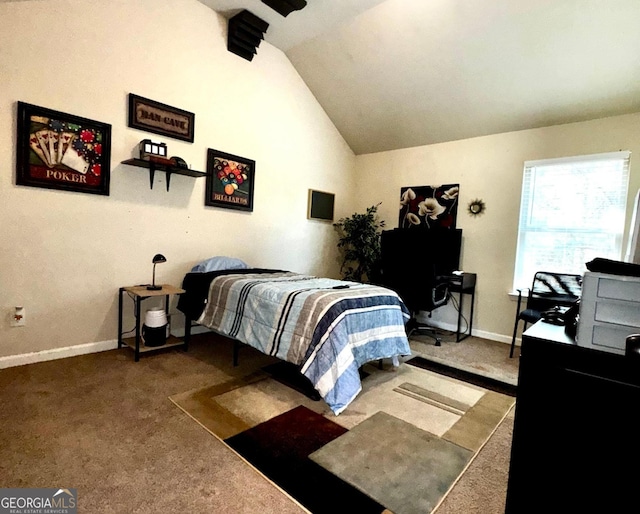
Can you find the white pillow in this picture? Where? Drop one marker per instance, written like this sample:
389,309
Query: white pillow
219,263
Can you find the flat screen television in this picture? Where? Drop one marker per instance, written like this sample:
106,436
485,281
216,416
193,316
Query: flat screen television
411,259
408,250
320,205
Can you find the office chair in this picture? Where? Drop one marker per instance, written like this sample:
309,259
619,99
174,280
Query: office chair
413,264
548,291
433,294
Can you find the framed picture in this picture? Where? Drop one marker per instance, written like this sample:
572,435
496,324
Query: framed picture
320,205
230,180
425,207
152,116
62,151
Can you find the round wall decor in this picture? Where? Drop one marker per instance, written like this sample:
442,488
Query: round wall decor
476,207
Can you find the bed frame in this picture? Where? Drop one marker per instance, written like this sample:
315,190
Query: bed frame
328,328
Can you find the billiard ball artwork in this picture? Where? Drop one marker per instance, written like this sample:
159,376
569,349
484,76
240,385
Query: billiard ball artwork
229,181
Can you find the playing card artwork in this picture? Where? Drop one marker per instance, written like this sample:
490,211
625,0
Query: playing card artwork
66,147
62,151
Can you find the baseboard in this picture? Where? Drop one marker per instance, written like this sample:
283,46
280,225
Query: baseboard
477,333
11,361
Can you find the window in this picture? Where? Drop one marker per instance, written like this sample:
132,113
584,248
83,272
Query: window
572,210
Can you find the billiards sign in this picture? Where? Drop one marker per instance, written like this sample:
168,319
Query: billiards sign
230,181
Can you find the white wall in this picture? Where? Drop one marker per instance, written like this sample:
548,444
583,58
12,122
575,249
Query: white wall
63,255
490,168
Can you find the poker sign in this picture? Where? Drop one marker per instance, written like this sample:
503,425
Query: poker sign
62,151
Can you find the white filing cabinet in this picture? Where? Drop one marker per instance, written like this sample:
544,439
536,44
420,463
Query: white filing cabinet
609,311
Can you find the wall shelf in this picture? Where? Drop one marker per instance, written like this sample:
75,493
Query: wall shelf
156,166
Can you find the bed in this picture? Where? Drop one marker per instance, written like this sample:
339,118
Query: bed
327,328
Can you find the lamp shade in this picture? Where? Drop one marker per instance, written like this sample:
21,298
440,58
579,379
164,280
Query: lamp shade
158,258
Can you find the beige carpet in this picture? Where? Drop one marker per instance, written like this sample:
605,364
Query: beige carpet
459,417
475,355
103,424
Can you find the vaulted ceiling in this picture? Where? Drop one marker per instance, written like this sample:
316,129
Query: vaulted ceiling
394,74
400,73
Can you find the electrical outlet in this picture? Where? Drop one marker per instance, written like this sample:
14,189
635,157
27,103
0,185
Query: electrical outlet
18,317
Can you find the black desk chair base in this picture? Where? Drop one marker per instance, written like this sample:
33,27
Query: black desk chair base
413,326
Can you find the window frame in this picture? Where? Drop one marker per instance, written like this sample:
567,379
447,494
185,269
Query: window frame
527,204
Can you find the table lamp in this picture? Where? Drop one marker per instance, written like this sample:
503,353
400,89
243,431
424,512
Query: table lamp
156,259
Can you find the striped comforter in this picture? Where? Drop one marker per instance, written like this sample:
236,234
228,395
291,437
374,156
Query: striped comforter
305,320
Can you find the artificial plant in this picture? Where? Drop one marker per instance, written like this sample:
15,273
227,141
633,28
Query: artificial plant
360,244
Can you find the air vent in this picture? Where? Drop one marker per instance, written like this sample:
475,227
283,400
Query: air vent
285,7
246,32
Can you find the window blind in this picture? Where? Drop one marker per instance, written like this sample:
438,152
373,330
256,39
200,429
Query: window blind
572,210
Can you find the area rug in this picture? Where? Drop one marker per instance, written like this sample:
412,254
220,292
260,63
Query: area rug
280,449
401,445
464,375
417,460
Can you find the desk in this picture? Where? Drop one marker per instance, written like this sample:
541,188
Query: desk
463,284
575,428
